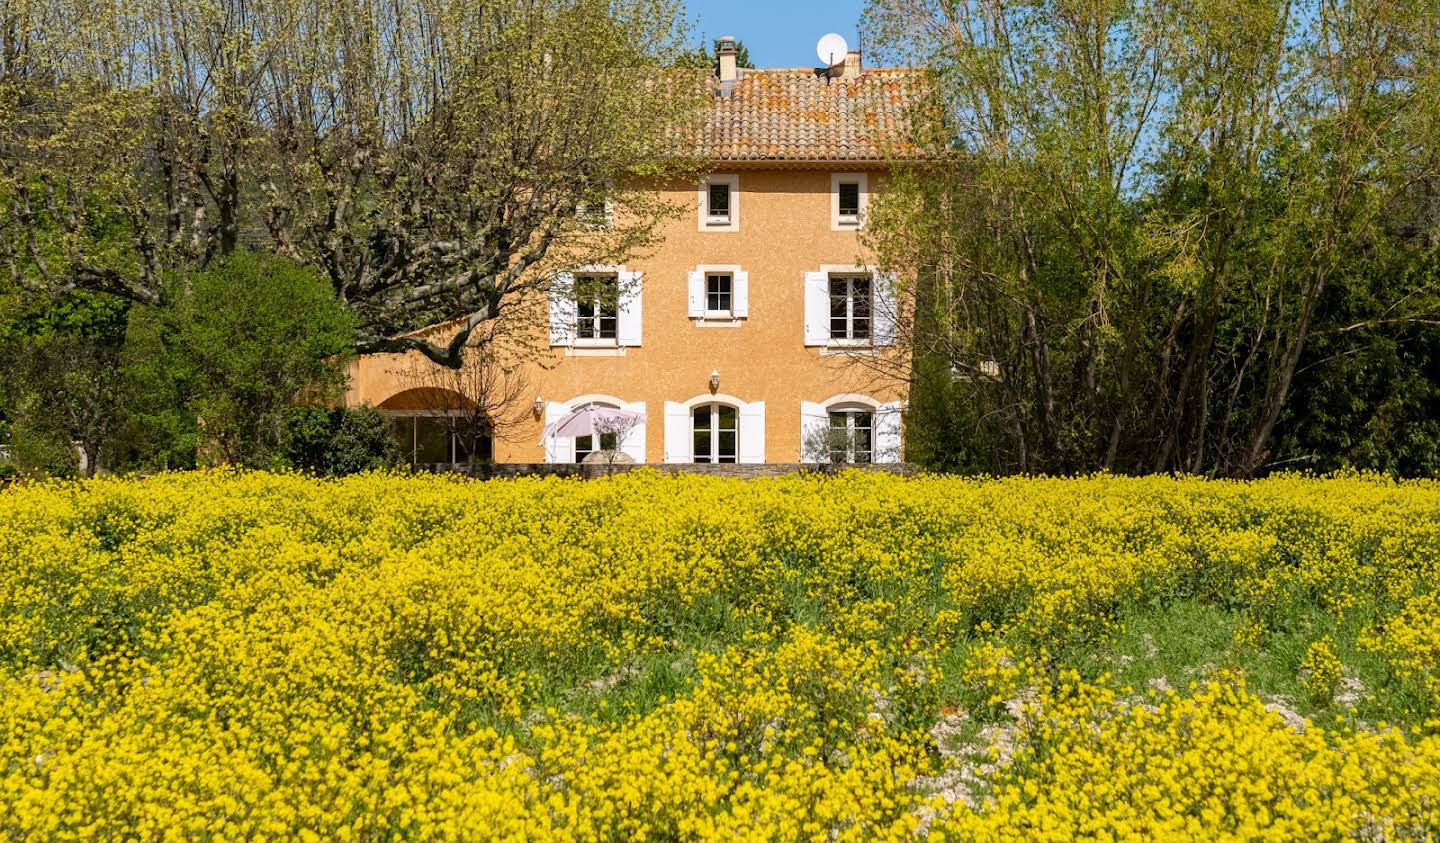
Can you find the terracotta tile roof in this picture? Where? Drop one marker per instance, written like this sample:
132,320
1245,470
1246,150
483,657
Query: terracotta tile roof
802,115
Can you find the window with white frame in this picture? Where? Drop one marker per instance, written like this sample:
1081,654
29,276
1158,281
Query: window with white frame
717,202
849,195
719,289
851,303
715,432
720,203
719,295
597,306
852,435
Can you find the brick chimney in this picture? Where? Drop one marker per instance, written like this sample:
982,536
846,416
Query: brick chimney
726,51
851,68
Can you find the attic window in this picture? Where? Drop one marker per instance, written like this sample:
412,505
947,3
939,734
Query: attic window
594,214
849,194
718,205
719,201
850,200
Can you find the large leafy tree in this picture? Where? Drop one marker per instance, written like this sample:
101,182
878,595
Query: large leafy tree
239,345
427,158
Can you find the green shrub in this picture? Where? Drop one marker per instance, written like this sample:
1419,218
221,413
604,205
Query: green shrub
336,442
38,450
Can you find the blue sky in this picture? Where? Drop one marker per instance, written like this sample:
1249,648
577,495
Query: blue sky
778,33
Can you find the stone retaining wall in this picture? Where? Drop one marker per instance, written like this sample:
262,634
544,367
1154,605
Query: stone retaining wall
747,471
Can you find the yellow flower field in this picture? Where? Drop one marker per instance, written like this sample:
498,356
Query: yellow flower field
227,655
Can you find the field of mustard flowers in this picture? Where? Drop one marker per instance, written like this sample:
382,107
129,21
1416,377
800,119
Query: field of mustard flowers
863,657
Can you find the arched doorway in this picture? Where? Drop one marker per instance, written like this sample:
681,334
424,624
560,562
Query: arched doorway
433,426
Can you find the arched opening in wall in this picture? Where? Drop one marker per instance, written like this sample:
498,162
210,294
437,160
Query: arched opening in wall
587,445
623,441
851,429
433,426
715,433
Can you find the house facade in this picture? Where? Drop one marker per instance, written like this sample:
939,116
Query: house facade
743,337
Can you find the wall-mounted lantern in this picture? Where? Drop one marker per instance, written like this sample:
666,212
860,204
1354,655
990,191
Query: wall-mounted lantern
714,380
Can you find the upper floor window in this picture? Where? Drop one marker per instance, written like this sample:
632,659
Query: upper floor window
717,208
718,291
720,203
597,306
849,195
715,432
595,311
719,295
594,214
850,309
851,301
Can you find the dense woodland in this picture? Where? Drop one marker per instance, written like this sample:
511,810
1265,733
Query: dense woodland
1199,237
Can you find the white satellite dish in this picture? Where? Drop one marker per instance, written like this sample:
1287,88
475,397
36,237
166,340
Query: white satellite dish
832,50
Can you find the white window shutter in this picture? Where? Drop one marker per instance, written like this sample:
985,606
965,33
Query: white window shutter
677,432
634,444
740,295
817,308
752,432
558,449
562,308
697,294
886,308
814,421
887,433
628,325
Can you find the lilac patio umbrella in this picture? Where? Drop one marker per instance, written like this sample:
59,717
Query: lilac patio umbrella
592,419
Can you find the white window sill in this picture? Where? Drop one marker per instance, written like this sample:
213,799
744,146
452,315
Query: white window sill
848,347
718,320
609,349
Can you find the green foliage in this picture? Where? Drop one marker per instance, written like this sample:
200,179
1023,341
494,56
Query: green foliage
340,441
1368,392
43,450
942,430
1197,238
239,343
79,315
708,57
60,380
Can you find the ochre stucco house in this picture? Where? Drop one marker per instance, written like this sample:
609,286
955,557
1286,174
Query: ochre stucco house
744,332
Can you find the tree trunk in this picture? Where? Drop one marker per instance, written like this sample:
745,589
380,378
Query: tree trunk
1044,382
1280,384
92,457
